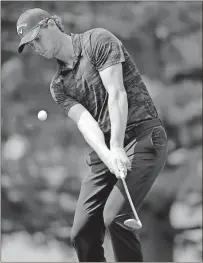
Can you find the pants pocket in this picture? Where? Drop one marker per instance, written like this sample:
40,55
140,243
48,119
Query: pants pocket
158,137
93,159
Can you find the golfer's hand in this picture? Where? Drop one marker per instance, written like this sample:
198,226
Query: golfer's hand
121,163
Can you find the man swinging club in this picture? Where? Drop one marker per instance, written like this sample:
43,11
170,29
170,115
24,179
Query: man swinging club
98,86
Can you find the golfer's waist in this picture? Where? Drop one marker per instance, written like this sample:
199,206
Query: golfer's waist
93,158
135,132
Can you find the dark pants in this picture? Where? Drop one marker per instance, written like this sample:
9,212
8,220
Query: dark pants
103,204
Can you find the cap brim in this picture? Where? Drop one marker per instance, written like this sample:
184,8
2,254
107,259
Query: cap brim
28,37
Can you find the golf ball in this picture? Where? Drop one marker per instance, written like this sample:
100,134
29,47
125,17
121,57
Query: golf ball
42,115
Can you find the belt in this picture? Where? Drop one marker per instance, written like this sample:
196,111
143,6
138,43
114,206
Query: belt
136,132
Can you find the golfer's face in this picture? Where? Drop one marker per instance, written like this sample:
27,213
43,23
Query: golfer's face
44,43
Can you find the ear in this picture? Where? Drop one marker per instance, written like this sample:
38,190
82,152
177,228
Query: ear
51,23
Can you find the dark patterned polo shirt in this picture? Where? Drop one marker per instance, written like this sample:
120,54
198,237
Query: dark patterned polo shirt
96,50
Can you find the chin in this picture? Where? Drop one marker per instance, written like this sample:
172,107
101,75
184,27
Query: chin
48,56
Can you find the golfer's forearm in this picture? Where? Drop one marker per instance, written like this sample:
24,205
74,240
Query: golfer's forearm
94,136
118,111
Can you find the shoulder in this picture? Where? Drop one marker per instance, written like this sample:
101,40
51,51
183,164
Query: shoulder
101,34
98,35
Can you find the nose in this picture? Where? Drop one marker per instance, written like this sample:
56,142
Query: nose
35,46
37,50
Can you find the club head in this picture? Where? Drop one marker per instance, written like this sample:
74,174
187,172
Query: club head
133,223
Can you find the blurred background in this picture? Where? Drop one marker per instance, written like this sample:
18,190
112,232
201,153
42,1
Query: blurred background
43,162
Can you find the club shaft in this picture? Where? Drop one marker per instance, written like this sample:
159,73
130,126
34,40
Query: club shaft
130,200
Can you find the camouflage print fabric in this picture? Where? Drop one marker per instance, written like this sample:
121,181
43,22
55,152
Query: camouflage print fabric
96,50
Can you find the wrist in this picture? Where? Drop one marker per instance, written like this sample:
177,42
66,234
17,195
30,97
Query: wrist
116,145
116,148
104,153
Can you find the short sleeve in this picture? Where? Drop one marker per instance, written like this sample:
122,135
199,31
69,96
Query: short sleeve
63,100
107,49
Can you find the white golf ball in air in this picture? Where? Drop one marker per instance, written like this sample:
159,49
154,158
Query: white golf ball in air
42,115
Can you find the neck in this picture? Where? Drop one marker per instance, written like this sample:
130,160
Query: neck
65,51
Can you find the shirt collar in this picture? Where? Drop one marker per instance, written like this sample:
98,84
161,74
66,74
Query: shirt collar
76,45
77,48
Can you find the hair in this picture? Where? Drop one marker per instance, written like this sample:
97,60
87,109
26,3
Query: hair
57,21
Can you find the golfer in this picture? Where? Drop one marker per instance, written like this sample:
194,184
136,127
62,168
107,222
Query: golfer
99,87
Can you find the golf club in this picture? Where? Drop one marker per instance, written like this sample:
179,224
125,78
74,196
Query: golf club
133,223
